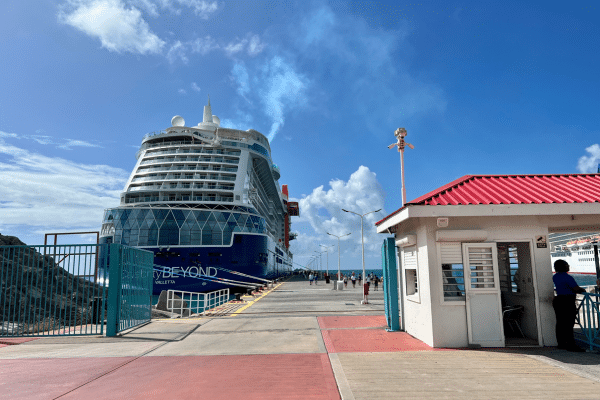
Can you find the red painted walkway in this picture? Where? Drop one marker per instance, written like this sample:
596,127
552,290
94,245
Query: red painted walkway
262,376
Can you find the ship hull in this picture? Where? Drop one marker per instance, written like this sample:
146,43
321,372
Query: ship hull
209,268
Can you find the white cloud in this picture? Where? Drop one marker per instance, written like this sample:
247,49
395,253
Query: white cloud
43,192
235,47
60,143
589,164
282,87
70,143
275,84
201,8
119,28
181,91
362,193
195,87
251,43
177,51
203,45
255,46
333,44
240,76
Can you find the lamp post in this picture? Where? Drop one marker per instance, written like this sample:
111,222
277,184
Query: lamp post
400,134
362,238
338,237
326,251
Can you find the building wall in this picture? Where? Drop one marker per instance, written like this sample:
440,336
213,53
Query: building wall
444,324
417,314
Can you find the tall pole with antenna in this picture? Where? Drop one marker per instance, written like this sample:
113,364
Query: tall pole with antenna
400,134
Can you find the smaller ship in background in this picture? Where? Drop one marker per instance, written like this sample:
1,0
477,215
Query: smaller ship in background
575,248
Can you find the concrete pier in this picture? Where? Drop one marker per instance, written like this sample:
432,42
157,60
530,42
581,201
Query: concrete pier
295,341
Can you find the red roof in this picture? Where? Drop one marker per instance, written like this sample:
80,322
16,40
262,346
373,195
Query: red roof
513,189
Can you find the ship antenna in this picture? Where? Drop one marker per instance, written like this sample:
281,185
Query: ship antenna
207,117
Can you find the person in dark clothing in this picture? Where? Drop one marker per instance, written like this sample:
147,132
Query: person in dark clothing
564,306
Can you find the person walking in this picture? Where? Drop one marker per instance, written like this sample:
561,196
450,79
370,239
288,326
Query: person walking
564,306
366,294
353,278
310,278
316,276
369,280
345,281
359,279
376,282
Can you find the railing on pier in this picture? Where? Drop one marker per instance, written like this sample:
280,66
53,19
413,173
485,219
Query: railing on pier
588,315
51,290
57,290
197,303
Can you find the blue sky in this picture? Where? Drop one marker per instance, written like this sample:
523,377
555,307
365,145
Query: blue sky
503,88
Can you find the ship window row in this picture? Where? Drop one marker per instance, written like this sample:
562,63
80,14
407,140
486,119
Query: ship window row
200,150
178,227
188,143
190,158
194,167
177,176
182,185
131,199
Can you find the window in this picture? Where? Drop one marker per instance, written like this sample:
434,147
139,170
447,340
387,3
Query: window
453,275
409,261
412,285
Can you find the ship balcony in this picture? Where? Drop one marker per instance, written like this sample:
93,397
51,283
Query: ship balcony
162,178
276,172
183,168
178,199
198,150
181,159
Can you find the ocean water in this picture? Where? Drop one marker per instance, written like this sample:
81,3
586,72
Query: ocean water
584,279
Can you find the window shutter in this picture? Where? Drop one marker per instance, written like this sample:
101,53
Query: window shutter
451,252
409,260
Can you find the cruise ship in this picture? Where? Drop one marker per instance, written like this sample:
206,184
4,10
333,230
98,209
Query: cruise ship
575,248
207,202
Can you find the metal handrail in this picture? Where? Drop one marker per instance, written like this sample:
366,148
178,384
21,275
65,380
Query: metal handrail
199,302
587,317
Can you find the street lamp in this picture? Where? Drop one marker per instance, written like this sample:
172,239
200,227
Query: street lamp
362,238
400,134
338,237
326,251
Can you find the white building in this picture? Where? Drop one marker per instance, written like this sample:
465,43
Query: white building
492,230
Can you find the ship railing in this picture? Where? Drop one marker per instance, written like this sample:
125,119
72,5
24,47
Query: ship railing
189,303
587,320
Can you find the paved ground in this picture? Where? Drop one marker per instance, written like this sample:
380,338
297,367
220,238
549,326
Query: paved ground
294,342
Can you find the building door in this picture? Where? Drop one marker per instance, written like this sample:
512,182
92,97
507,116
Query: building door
484,308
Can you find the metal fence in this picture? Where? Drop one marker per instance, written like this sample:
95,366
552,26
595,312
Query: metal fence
51,290
187,303
588,313
56,290
130,288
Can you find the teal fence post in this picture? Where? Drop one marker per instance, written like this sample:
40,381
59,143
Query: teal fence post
114,289
390,284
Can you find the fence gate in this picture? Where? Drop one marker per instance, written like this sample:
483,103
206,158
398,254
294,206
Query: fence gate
129,288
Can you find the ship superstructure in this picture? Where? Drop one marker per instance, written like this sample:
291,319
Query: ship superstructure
575,248
205,199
